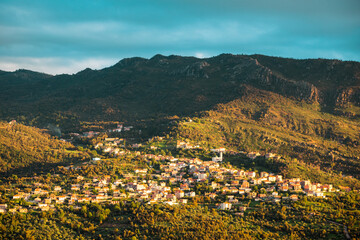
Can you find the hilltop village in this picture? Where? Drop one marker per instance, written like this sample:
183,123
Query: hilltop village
156,178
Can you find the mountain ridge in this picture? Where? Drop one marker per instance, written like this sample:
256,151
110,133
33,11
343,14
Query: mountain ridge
306,109
135,88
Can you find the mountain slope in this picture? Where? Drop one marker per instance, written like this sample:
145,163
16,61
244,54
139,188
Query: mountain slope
137,88
264,121
27,148
308,109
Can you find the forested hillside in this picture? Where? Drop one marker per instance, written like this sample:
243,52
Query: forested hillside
138,88
265,121
304,109
29,149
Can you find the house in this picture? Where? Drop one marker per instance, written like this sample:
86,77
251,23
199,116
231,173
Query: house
12,210
269,155
234,183
241,173
44,208
98,145
179,194
222,149
139,170
23,210
12,122
185,187
80,178
37,191
171,197
254,181
307,187
294,197
309,193
212,195
276,200
326,187
190,194
253,155
18,196
3,206
233,190
245,184
75,188
61,198
284,187
262,195
252,194
183,201
271,178
214,185
201,176
225,206
241,191
296,187
242,208
218,159
251,174
128,128
84,199
319,194
305,182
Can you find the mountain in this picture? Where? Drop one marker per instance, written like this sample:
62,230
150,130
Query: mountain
137,88
306,109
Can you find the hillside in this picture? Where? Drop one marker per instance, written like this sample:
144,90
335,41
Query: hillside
151,126
305,109
138,88
268,122
28,149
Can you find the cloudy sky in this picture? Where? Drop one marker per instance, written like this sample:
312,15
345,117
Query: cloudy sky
69,35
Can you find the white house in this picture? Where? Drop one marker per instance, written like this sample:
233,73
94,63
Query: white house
225,206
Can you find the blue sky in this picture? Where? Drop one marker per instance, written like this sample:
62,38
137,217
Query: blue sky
69,35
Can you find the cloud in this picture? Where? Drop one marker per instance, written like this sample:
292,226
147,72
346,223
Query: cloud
54,65
61,32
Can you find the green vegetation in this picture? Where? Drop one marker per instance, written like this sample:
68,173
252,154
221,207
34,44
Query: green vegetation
26,149
138,88
267,122
306,112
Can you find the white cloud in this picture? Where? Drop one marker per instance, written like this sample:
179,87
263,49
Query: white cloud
54,65
201,55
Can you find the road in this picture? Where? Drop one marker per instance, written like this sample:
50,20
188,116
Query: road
346,233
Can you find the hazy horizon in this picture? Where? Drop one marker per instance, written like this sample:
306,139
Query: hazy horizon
116,61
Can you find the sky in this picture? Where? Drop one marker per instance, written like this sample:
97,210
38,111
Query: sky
70,35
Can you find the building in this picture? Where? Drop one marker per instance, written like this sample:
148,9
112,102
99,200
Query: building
225,206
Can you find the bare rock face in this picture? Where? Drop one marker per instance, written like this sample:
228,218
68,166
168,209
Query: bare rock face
250,71
196,69
347,95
